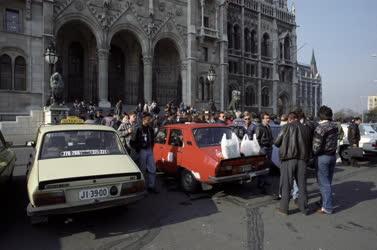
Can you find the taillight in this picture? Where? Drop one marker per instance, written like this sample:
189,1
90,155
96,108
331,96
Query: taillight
132,187
48,198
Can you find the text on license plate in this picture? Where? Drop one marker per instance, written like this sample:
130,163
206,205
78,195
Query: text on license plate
88,194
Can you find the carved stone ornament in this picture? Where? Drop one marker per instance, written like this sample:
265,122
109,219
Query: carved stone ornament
162,6
107,12
179,12
140,2
79,5
28,9
60,6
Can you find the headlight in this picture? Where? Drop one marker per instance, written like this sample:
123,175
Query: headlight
48,198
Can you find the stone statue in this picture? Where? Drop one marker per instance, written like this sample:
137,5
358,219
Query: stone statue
57,87
234,103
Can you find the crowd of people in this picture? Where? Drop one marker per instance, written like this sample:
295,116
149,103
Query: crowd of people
291,142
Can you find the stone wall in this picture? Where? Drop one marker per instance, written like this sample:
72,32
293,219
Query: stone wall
23,129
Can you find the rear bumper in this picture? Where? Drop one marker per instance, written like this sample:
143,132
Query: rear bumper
238,177
94,205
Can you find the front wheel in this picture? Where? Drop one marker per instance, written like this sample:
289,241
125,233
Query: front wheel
188,181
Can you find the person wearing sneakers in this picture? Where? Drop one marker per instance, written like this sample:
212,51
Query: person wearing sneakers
325,142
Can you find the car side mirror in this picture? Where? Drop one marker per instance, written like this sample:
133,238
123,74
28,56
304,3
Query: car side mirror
8,144
30,144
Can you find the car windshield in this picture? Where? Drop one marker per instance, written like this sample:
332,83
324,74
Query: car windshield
208,137
77,143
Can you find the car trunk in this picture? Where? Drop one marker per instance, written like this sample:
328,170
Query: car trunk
241,165
85,170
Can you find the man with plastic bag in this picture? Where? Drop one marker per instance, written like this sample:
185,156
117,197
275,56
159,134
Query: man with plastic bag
294,149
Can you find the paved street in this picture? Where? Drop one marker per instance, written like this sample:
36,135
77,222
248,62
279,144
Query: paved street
234,217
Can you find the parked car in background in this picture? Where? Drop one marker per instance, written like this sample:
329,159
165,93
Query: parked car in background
192,152
7,161
80,168
368,140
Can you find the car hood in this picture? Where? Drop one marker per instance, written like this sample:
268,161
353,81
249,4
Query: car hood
62,168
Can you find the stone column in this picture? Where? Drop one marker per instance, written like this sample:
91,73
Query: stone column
315,101
103,70
202,3
151,8
48,35
148,76
294,72
192,48
259,73
185,86
223,55
275,67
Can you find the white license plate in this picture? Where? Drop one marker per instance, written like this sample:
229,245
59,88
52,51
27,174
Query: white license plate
245,168
90,194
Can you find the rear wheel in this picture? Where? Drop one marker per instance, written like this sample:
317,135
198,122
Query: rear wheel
344,155
188,181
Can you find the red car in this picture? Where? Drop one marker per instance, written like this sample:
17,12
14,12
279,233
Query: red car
193,153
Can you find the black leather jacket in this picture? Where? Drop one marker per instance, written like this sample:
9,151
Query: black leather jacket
353,134
325,141
293,141
264,136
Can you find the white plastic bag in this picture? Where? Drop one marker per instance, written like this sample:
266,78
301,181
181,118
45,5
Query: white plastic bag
255,146
230,148
247,146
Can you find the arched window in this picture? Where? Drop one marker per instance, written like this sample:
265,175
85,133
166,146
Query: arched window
250,96
281,50
265,97
5,72
253,44
230,36
208,90
266,45
237,37
20,74
287,48
247,40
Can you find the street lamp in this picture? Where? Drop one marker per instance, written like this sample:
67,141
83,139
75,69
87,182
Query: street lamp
211,76
50,56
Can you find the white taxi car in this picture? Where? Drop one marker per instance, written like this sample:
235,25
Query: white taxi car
79,168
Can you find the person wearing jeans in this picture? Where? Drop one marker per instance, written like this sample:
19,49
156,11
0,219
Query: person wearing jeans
325,143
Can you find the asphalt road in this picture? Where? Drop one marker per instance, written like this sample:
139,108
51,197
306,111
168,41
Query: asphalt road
232,217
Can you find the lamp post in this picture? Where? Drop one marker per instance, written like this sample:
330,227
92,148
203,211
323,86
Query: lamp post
50,56
211,76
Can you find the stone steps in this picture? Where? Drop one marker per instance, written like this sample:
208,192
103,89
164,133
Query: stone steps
23,129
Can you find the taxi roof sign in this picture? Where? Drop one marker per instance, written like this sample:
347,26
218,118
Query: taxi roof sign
72,120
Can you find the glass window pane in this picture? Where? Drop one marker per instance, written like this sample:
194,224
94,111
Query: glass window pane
20,74
5,72
12,21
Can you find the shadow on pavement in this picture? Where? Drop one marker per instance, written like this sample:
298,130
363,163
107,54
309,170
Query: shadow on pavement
351,193
122,223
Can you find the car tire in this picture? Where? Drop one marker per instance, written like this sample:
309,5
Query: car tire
38,220
344,155
188,182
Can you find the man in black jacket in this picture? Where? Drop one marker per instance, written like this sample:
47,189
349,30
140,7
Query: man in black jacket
354,132
142,141
294,144
325,143
264,135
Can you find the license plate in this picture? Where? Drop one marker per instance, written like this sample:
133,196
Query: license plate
90,194
245,168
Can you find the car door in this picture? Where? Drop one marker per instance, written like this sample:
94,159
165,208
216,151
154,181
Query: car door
160,146
175,149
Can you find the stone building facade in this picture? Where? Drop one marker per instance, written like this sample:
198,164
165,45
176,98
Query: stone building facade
150,49
309,91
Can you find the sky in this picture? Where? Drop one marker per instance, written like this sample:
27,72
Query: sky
343,34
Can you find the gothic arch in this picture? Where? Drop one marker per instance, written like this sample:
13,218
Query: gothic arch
91,24
135,30
283,103
176,39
